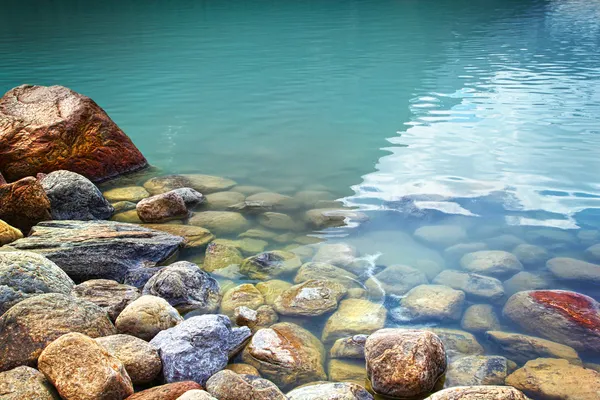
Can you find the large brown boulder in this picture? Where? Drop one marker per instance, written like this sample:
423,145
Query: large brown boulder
26,383
170,391
404,362
81,369
44,129
27,327
23,203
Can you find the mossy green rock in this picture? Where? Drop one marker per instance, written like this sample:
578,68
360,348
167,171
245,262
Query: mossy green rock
318,270
219,256
353,317
220,222
270,264
310,298
129,193
203,183
271,289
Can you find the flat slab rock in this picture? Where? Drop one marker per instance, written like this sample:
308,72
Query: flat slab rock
98,249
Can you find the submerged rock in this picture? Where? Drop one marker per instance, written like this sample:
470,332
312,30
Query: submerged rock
243,295
220,222
109,295
271,289
480,318
477,370
73,196
270,264
219,256
24,203
395,280
317,270
522,348
198,347
531,255
353,317
310,298
76,364
441,235
227,385
202,183
321,218
344,370
286,354
404,362
475,286
527,281
330,391
24,274
492,262
98,249
273,220
478,393
274,201
162,207
40,126
26,383
194,236
247,246
263,317
8,234
191,197
565,317
338,254
570,269
430,303
146,317
223,200
29,326
458,343
349,347
170,391
128,193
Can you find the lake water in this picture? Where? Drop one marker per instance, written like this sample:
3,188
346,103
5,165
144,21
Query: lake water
479,114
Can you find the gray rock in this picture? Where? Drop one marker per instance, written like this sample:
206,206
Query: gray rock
522,348
480,318
330,391
570,269
491,262
73,196
139,276
475,286
531,255
527,281
98,249
186,287
191,197
477,370
430,303
227,385
26,383
109,295
198,347
395,280
24,274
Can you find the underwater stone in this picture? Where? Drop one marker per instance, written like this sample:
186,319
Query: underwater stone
477,370
491,262
522,348
395,280
354,316
430,303
129,193
220,222
480,318
441,235
311,298
570,269
476,286
270,264
204,184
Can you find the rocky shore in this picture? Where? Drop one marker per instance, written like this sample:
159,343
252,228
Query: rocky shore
154,286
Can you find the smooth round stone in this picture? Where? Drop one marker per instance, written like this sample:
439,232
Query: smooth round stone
195,236
431,303
480,318
307,240
441,235
241,368
270,264
458,343
330,391
550,378
522,348
349,347
203,183
285,237
258,234
274,201
475,286
478,393
477,370
246,295
170,391
316,270
395,280
353,317
263,317
504,242
227,385
220,222
321,218
493,263
146,317
129,193
347,371
456,251
196,394
8,234
278,221
593,253
552,236
570,269
531,255
121,206
527,281
303,252
588,236
191,197
222,200
249,190
311,298
219,256
247,246
338,254
404,362
286,354
271,289
141,361
162,207
109,295
130,216
308,198
25,274
26,383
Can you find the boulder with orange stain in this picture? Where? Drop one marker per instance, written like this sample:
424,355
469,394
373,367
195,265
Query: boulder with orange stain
24,203
49,128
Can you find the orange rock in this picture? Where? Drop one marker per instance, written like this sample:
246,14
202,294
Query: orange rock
23,203
169,391
44,129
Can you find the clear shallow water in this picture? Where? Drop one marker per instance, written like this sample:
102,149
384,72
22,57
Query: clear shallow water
482,114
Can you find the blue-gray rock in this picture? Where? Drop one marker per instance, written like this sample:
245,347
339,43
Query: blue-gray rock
198,347
24,274
186,287
73,196
98,249
139,276
191,197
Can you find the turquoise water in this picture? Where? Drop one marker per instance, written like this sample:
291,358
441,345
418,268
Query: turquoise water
483,114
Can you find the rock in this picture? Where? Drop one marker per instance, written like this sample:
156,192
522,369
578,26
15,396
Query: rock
219,256
311,298
109,295
196,394
354,316
330,391
26,383
526,281
258,234
395,280
141,361
478,393
349,347
248,189
223,200
321,218
186,287
139,276
404,362
480,318
441,235
27,327
250,207
263,317
220,222
191,197
98,249
194,236
286,354
241,368
318,270
309,198
504,242
588,236
129,193
247,246
570,269
271,289
551,378
8,234
274,201
338,254
204,184
243,295
275,220
122,206
198,347
593,252
23,203
80,368
227,385
492,262
531,255
522,348
170,391
458,343
565,317
130,217
45,129
430,303
456,251
73,196
270,264
550,236
477,287
25,274
347,371
146,317
162,207
477,370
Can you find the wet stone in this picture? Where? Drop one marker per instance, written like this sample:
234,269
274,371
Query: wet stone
270,264
522,348
527,281
220,222
129,193
343,370
219,256
475,286
338,254
271,289
354,316
492,263
317,270
121,206
241,368
202,183
247,246
26,383
162,207
277,221
458,343
329,391
395,280
570,269
430,303
258,234
593,253
349,347
222,200
477,370
227,385
146,317
531,255
321,218
275,201
109,295
246,295
480,318
441,235
310,298
194,236
456,251
504,242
